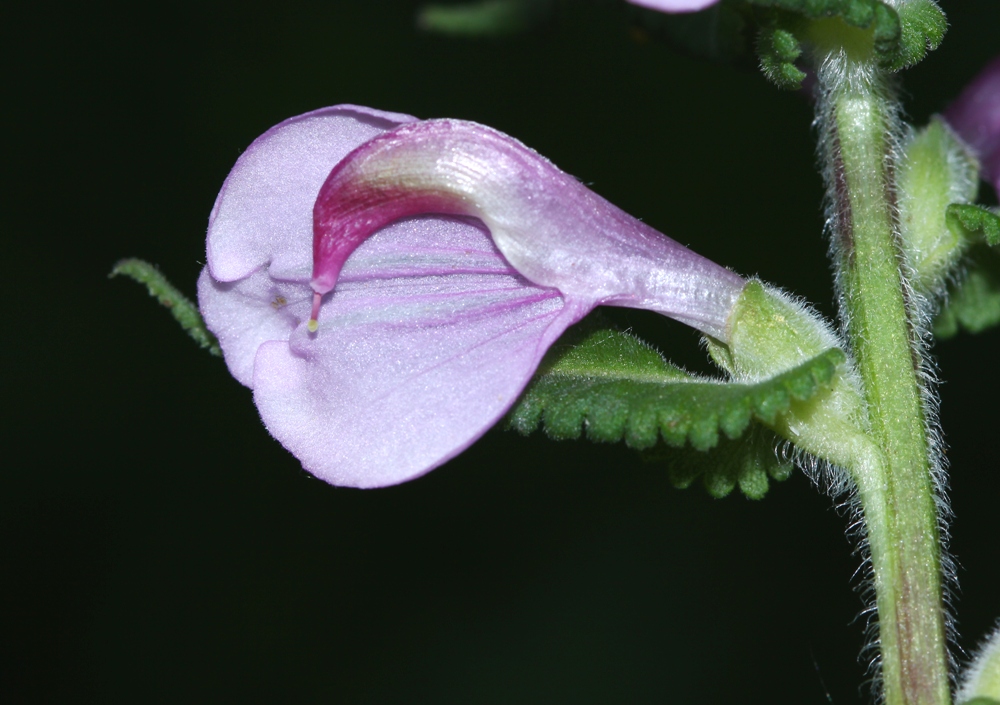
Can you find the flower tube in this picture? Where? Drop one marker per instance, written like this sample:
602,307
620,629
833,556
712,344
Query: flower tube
439,261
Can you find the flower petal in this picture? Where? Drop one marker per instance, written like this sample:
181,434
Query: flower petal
675,5
427,340
436,323
551,228
263,214
975,116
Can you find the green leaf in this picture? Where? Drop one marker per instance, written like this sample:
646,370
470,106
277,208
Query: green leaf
181,307
857,25
974,303
778,49
922,27
612,386
975,221
863,14
864,28
982,701
485,18
748,463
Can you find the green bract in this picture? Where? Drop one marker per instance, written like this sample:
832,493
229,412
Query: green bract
611,386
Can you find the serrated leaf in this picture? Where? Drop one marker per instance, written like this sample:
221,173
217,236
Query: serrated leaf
778,49
485,18
898,38
922,27
785,22
863,14
975,221
749,463
974,303
611,386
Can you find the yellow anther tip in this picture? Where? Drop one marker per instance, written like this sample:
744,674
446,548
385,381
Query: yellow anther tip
312,325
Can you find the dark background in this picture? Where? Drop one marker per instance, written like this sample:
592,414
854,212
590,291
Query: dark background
156,545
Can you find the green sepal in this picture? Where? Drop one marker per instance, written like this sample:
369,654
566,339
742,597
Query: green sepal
975,221
974,303
749,463
181,307
936,171
981,680
485,18
613,386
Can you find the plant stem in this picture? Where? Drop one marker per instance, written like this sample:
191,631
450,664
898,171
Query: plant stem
858,119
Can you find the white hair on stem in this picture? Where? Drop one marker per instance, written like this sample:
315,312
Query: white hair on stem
836,74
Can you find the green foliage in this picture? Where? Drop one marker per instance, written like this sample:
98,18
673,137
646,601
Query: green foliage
748,463
612,386
863,14
981,701
485,18
182,308
936,171
976,221
721,31
922,26
974,303
779,49
897,39
786,23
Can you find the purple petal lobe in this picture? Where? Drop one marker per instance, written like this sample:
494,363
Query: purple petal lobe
675,5
427,340
265,205
553,230
975,116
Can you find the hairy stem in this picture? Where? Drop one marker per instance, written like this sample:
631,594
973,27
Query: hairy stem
858,122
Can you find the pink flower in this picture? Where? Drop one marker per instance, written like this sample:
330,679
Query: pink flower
675,5
427,327
975,116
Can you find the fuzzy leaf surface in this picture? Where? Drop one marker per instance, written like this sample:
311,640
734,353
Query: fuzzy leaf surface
975,221
899,38
749,463
612,386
